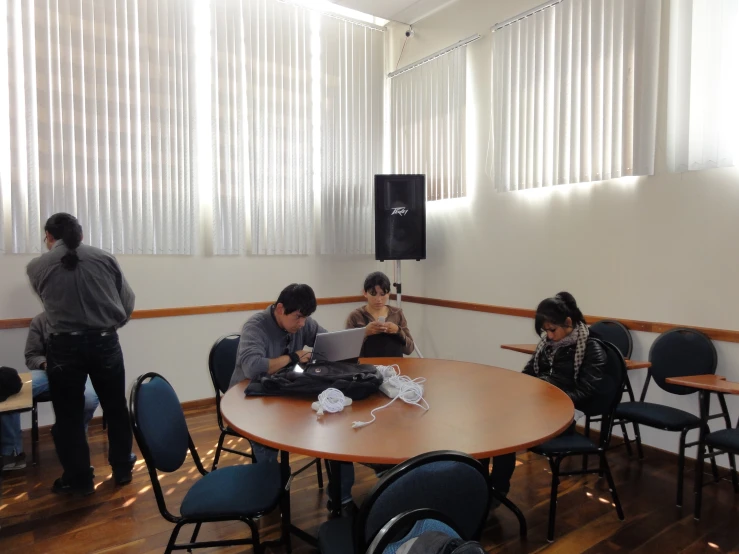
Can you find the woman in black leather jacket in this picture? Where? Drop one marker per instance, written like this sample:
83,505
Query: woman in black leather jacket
568,358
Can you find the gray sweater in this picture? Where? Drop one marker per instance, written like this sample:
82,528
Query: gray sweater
262,339
94,295
36,342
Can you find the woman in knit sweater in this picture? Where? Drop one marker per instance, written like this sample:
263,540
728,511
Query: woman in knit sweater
386,329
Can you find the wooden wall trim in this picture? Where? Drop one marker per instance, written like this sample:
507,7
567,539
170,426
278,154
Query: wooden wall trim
725,335
195,310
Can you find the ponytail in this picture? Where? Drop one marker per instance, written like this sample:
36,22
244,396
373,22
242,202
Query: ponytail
573,311
66,228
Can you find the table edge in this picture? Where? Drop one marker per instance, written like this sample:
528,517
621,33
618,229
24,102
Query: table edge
385,460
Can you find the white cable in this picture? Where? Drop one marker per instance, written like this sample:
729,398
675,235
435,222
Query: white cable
388,371
408,390
331,401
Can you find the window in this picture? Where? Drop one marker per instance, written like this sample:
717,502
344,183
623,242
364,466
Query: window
297,108
428,123
574,93
351,134
101,123
703,85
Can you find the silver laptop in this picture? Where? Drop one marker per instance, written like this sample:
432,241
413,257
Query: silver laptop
338,346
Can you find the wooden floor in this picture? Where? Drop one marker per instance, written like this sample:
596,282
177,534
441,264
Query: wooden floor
126,519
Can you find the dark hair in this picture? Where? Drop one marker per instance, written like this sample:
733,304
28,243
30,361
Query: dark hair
556,310
298,298
65,227
377,279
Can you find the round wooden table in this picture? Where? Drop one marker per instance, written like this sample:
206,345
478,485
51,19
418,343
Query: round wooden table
481,410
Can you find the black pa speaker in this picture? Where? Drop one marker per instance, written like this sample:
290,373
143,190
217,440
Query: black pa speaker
400,217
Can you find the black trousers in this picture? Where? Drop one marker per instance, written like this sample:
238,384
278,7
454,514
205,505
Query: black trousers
70,359
503,468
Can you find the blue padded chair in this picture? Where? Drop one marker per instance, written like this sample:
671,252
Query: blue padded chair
449,482
238,493
676,353
573,444
221,365
408,525
618,335
725,441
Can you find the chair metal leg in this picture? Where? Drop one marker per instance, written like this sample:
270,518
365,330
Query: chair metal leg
698,482
587,434
681,468
611,485
734,480
637,438
194,535
218,451
554,463
34,422
256,545
627,441
319,473
714,466
34,434
173,537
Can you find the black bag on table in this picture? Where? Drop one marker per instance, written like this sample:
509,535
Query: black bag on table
356,381
10,383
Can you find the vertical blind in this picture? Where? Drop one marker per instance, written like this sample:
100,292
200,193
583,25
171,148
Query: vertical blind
703,85
263,130
101,122
351,128
296,106
574,94
229,125
427,128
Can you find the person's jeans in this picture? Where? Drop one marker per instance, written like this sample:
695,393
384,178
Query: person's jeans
70,360
266,454
11,442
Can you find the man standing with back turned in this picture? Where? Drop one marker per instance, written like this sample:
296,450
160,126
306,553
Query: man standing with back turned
277,337
86,299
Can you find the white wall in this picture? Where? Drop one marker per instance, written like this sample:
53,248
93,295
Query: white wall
659,248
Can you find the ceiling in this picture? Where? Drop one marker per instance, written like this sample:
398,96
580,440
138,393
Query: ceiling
403,11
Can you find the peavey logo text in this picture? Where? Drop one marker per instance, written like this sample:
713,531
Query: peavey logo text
400,211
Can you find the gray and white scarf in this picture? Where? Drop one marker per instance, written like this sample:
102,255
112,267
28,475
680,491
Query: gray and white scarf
578,337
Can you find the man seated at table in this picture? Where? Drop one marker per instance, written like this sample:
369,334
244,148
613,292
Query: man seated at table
11,447
275,338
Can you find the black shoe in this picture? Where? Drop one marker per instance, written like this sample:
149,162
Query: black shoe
348,508
62,487
125,475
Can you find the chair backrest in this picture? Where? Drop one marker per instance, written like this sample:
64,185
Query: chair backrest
158,423
616,333
615,370
222,361
408,525
449,482
679,353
